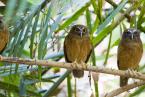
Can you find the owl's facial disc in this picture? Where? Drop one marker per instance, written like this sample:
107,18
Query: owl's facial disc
131,33
79,30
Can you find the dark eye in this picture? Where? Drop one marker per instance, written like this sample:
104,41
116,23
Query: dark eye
0,22
84,30
128,32
136,33
77,29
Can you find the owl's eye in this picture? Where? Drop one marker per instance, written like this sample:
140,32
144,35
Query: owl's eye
84,30
128,32
77,29
136,33
0,22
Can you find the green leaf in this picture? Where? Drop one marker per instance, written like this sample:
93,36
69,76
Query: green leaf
88,19
138,91
94,4
102,35
116,43
10,10
109,28
57,83
100,4
73,17
111,16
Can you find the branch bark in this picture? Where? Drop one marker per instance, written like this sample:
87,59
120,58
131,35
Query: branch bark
71,66
124,88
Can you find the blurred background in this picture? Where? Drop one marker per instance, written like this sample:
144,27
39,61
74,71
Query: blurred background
37,30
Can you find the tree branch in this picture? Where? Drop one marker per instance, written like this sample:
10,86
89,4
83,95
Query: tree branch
124,88
70,66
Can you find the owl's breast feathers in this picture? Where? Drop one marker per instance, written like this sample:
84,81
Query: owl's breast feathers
4,38
129,54
77,48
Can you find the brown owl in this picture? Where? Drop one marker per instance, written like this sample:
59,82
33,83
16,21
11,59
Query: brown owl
77,47
130,52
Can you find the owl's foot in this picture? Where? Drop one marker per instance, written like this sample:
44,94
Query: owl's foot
133,72
76,64
81,64
84,65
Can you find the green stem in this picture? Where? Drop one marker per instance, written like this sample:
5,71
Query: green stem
108,49
69,87
95,82
75,90
96,89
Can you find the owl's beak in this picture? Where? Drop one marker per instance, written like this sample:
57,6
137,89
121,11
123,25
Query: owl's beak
81,34
132,36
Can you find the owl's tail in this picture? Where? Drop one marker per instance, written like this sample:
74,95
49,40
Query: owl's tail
78,73
123,81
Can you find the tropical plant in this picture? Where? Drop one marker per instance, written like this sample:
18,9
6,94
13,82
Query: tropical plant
37,30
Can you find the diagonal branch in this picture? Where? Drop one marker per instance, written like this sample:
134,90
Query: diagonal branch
124,88
70,66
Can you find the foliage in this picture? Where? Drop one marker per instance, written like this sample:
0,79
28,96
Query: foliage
38,28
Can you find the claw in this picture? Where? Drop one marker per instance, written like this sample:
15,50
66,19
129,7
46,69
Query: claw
131,71
75,64
83,64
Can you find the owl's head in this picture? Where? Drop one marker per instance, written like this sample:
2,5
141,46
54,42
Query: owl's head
79,30
131,34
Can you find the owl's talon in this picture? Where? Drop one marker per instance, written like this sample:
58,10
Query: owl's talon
131,72
138,73
83,64
75,64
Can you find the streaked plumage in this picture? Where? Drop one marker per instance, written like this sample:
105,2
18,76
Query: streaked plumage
130,52
77,47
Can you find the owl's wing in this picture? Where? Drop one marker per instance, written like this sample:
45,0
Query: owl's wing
4,38
90,51
118,63
3,49
65,50
118,56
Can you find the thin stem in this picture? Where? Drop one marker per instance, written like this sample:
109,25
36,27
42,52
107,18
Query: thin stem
108,49
69,87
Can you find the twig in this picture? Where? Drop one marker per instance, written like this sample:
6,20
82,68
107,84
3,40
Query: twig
124,88
70,66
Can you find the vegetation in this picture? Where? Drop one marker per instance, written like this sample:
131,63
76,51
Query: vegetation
37,30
